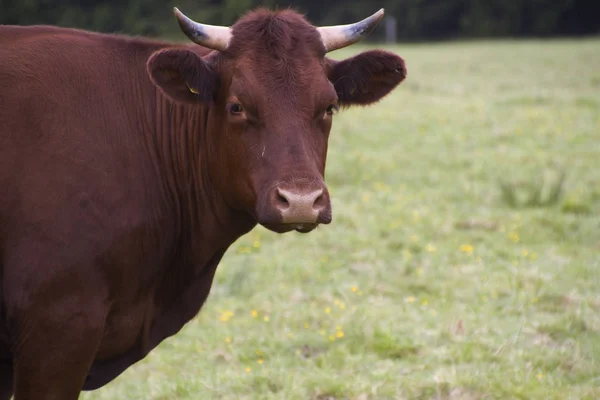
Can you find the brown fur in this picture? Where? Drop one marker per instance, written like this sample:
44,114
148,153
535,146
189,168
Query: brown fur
121,189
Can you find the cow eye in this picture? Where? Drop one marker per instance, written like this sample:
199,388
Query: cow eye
236,108
332,109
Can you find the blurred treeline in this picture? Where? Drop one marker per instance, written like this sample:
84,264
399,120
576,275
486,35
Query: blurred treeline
416,19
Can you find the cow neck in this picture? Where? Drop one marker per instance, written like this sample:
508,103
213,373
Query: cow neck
202,219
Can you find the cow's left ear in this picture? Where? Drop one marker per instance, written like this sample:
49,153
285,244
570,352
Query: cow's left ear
183,75
367,77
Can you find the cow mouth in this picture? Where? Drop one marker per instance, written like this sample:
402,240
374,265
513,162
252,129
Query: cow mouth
305,228
298,227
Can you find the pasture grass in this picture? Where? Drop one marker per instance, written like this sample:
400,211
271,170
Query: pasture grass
430,283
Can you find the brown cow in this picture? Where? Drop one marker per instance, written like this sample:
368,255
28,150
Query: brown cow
128,167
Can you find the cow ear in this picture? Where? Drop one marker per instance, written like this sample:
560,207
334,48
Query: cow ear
367,77
183,75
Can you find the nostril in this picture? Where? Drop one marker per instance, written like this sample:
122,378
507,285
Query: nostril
282,201
320,202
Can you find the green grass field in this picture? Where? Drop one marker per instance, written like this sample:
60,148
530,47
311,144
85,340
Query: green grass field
457,265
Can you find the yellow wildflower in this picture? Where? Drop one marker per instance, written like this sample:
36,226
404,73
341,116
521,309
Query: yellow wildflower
254,313
340,304
354,288
243,250
266,318
226,316
430,248
340,334
260,361
410,299
466,248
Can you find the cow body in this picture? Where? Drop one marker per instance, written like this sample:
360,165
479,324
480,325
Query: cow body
99,194
129,166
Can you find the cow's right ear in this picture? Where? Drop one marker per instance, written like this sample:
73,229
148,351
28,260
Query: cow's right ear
183,76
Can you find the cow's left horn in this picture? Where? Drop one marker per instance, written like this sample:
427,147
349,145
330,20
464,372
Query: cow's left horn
211,36
336,37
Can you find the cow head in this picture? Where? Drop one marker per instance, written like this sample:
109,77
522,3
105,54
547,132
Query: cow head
272,94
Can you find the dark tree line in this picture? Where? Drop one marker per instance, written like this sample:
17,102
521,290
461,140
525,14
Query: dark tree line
416,19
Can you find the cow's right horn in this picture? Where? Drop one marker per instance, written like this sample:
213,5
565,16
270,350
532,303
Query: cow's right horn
211,36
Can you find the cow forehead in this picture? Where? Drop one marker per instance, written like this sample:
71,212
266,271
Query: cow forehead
302,83
263,68
276,51
281,35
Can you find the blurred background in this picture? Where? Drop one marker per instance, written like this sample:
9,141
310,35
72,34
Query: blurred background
462,262
413,20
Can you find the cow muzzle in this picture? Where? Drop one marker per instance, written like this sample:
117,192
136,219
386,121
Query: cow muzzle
300,207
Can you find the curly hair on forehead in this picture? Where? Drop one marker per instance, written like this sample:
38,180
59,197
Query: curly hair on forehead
279,34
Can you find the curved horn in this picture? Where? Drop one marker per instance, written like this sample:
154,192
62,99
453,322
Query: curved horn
211,36
336,37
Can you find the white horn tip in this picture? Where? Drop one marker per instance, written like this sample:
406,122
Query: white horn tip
179,15
212,37
336,37
377,16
